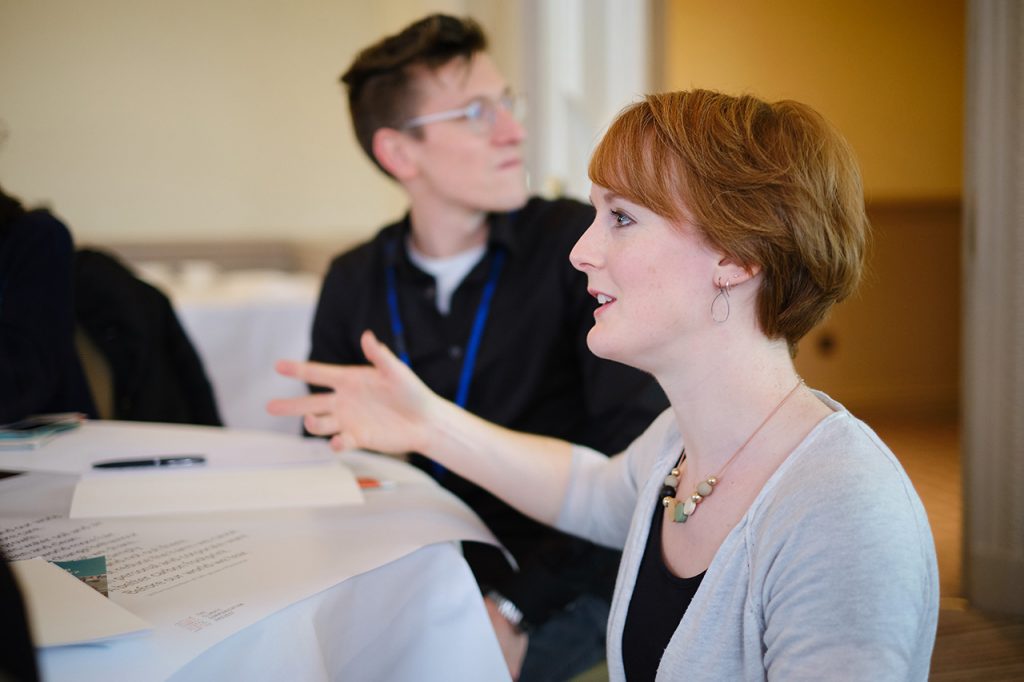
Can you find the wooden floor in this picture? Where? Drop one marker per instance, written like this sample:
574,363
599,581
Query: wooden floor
970,645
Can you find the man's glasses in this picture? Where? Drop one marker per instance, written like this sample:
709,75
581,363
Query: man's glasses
481,113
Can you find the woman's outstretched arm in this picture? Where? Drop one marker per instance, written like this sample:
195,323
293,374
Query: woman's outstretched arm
386,408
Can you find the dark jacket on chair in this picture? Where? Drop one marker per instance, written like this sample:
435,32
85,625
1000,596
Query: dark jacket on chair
39,369
157,374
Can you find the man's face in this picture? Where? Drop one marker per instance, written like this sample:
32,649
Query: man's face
468,165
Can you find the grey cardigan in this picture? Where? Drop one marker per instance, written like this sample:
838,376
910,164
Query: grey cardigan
831,573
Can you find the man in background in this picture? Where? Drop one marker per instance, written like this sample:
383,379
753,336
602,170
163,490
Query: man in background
474,290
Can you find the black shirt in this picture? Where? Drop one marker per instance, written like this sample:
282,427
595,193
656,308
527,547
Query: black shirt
658,603
533,373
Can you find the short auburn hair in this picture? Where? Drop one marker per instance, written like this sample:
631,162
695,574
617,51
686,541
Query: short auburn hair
768,184
381,80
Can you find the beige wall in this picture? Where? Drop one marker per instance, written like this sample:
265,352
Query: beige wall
890,76
195,119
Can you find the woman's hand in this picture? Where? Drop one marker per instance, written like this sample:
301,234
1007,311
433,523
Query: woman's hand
386,408
382,407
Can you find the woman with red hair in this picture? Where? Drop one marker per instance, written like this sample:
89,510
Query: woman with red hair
767,533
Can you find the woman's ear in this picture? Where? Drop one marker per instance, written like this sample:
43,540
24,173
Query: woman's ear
729,272
391,149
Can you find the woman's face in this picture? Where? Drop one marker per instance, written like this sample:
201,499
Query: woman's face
653,278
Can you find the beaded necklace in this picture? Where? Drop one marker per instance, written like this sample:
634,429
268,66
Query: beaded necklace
680,510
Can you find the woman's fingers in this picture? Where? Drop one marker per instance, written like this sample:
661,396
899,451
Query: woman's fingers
338,377
405,389
286,367
314,403
321,424
316,373
379,355
384,402
343,441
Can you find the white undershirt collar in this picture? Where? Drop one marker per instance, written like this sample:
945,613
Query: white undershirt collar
448,272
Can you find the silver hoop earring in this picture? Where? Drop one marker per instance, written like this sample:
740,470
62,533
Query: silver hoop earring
721,300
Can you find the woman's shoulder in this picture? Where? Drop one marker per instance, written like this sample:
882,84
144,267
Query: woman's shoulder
843,450
841,475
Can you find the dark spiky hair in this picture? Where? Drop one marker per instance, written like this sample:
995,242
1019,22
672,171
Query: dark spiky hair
380,80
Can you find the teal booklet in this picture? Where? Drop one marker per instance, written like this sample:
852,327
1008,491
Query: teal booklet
32,432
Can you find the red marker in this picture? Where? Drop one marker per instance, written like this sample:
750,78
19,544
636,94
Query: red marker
368,483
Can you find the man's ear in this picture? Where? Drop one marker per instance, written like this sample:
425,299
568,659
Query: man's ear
391,148
729,271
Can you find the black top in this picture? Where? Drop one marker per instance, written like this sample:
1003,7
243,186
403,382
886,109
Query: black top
533,373
656,608
39,367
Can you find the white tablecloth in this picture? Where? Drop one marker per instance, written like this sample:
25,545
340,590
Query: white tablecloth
418,618
415,615
240,323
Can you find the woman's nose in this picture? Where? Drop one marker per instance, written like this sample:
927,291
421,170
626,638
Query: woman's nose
584,254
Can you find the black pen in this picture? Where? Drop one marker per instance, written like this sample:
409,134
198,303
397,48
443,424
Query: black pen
164,461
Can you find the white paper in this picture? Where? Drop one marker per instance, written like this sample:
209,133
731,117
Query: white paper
77,450
168,490
64,610
417,619
199,578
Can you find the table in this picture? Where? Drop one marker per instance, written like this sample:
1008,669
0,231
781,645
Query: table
430,626
376,591
240,323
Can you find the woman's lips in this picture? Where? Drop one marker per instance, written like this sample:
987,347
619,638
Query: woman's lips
603,300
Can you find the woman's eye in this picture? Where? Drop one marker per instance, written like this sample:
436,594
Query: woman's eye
621,219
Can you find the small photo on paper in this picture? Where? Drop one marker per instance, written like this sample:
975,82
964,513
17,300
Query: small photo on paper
91,571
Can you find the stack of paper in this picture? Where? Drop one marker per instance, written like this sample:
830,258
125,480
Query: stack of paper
64,610
167,490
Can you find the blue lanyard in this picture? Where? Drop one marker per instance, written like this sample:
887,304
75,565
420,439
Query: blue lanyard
475,336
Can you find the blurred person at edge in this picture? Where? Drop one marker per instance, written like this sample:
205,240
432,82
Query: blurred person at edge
39,367
767,532
473,289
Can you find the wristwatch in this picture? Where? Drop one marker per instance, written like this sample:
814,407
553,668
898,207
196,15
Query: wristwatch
507,609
